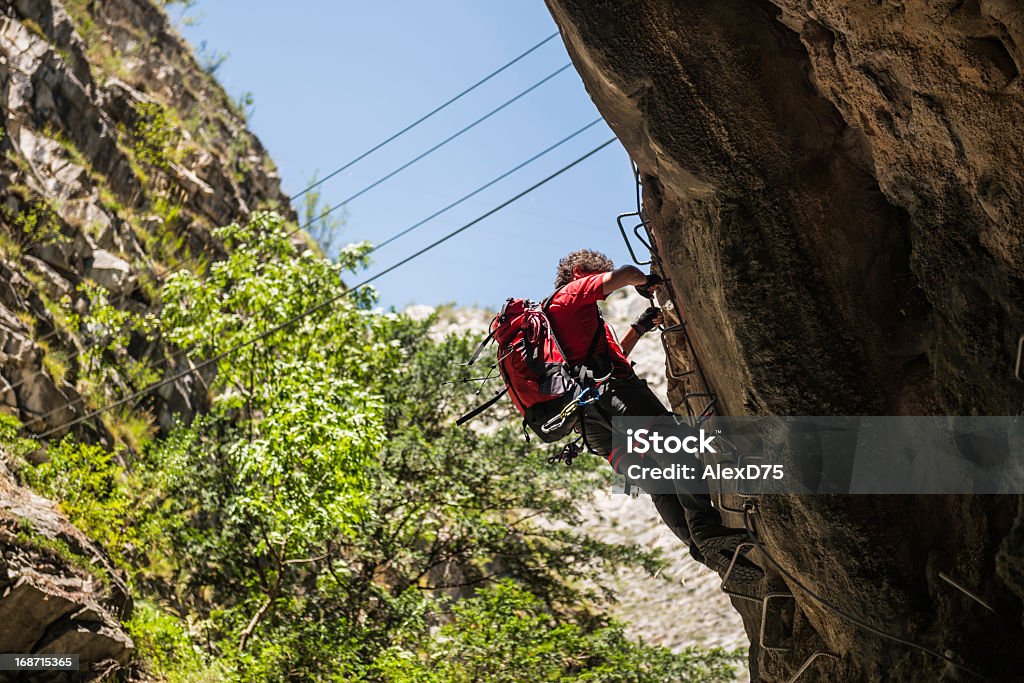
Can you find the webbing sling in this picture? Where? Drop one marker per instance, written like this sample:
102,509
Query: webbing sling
481,408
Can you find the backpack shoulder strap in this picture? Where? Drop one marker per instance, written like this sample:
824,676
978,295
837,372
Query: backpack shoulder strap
544,305
597,332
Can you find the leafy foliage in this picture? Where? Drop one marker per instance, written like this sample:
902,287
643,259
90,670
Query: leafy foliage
107,368
36,222
326,520
505,635
88,483
153,135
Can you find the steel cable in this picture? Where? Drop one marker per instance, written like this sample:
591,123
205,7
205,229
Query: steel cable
423,118
320,306
394,237
431,150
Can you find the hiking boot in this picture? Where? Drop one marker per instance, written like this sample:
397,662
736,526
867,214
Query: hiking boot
718,551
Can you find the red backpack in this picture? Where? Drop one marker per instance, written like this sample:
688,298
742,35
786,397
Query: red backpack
537,375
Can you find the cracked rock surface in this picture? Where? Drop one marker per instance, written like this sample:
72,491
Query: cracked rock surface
118,156
59,593
836,190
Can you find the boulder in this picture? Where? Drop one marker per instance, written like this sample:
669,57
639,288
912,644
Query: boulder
110,271
49,604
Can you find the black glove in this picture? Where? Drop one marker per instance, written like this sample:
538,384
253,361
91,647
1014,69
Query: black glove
645,323
644,290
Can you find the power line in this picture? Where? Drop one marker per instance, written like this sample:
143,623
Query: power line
373,249
324,304
483,187
423,118
404,166
436,147
401,233
373,149
404,130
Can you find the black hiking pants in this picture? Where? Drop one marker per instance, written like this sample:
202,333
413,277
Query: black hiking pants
686,513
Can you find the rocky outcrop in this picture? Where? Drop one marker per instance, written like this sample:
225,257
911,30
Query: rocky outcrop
836,192
59,593
119,154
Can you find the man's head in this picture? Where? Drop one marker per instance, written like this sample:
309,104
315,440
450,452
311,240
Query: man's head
580,264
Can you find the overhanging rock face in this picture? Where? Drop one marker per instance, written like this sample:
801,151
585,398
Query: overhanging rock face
836,192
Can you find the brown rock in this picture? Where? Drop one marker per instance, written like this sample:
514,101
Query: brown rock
836,191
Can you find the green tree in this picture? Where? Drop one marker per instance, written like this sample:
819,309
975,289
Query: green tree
505,635
282,462
327,520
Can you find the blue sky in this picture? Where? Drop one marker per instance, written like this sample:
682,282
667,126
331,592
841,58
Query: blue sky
331,79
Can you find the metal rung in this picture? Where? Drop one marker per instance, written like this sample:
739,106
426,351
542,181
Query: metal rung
629,245
1020,359
728,573
741,494
696,394
810,660
707,413
723,506
645,242
764,620
648,242
674,329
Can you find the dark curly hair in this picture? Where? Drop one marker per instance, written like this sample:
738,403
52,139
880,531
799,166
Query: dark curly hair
587,260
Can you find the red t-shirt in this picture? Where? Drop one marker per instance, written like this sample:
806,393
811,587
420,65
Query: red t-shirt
574,316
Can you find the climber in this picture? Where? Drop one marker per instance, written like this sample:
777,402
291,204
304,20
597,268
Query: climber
583,278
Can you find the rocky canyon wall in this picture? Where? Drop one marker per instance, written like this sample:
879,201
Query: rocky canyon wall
836,191
119,154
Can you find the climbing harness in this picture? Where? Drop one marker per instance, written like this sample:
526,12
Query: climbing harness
590,396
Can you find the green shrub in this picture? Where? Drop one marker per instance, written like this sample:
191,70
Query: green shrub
88,486
506,635
10,439
36,222
154,137
164,642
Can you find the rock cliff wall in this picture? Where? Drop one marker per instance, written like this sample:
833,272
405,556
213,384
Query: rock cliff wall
836,191
59,593
119,154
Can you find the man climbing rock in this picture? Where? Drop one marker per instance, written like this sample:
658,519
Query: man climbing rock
583,278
